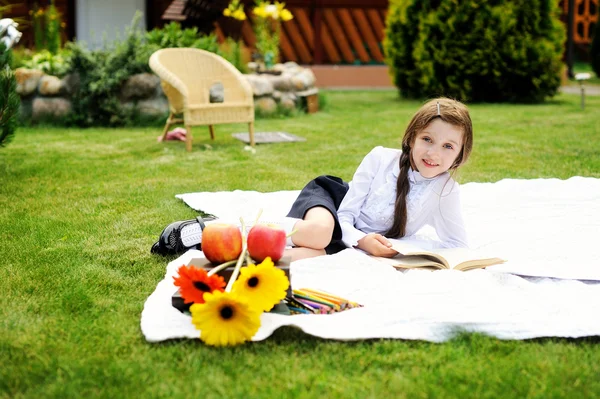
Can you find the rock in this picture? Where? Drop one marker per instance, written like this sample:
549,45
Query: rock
278,67
289,96
27,80
53,107
51,86
252,66
287,103
71,83
154,106
303,80
261,86
217,93
291,68
281,82
140,86
276,95
265,105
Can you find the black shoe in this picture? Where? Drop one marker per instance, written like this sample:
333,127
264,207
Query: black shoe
170,243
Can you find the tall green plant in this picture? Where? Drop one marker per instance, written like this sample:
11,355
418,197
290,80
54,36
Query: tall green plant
53,26
47,27
475,50
595,49
9,99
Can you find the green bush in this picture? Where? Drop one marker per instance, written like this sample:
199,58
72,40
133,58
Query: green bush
49,63
9,99
475,50
595,50
171,35
100,75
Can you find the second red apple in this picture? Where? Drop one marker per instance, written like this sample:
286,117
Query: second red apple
266,240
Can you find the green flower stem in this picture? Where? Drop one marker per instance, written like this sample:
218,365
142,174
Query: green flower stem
240,260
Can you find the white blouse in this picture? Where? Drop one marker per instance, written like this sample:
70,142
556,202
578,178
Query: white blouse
368,206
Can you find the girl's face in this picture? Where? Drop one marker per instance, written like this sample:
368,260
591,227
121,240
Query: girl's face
436,148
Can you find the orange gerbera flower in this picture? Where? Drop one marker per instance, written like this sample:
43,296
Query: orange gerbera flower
194,282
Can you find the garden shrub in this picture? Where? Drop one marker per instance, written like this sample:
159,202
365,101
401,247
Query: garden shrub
172,35
45,61
595,49
100,75
9,99
475,50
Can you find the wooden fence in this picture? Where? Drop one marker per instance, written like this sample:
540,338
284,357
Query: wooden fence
326,32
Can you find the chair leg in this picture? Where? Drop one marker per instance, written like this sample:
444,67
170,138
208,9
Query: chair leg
167,126
251,133
188,138
211,129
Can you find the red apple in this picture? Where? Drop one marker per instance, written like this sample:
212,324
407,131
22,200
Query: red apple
266,240
221,242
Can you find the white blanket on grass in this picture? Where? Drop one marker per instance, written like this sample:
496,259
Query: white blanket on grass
547,228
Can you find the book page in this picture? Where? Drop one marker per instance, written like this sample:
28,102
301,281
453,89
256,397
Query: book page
459,258
466,259
408,248
411,262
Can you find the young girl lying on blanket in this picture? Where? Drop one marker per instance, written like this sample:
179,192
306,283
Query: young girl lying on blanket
393,193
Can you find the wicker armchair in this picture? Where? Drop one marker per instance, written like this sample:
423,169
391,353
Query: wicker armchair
186,77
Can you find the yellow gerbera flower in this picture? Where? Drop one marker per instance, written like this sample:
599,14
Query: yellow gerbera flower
262,285
225,319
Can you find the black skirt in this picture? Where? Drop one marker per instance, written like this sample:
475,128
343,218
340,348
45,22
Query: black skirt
327,192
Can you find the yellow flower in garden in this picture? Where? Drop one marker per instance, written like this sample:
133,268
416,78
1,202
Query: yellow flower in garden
239,14
285,15
227,12
225,319
260,11
262,285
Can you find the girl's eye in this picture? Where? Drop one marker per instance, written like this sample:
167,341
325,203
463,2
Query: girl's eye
427,139
448,146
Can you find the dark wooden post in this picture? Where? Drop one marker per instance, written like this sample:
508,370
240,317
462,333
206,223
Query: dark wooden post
570,33
317,13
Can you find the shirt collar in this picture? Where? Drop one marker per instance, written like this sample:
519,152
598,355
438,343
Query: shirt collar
415,177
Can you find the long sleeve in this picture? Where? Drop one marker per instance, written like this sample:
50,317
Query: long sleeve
350,208
448,221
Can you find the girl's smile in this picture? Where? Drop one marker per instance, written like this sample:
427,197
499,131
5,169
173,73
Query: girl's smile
436,148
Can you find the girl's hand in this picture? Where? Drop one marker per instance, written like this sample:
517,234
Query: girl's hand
376,245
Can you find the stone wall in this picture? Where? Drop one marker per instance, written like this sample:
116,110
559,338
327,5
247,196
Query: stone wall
45,97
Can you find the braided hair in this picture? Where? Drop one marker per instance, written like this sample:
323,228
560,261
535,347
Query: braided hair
449,111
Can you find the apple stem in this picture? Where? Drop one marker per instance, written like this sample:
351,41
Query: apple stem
291,233
240,260
221,267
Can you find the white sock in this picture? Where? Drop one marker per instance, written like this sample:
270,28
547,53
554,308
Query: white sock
192,233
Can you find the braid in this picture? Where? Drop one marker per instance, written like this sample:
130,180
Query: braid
398,228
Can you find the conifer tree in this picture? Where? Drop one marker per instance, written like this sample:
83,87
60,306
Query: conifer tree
9,99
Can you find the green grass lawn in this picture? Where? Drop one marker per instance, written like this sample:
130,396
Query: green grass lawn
79,210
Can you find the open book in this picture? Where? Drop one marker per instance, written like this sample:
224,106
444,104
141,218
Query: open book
411,256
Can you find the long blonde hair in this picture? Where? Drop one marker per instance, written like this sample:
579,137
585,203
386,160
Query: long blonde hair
448,110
